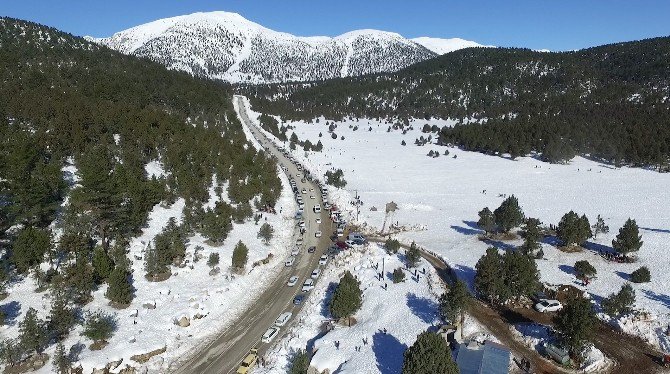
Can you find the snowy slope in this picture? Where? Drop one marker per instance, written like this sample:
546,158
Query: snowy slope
227,46
442,46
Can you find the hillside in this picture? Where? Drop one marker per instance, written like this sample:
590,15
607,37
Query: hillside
610,102
91,142
228,47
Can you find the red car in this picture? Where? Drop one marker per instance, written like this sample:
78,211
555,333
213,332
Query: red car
341,245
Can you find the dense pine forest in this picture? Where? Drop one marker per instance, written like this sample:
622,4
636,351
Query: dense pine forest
66,103
610,102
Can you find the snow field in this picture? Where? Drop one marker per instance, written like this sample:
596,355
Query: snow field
439,199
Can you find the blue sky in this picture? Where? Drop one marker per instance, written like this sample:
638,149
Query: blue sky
537,24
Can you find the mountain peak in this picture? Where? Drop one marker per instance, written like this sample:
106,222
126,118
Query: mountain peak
224,45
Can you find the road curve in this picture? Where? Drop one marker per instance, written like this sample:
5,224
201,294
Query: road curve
226,351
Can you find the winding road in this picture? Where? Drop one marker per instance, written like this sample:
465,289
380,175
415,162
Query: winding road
225,352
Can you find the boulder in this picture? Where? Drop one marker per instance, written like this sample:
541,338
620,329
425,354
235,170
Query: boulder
150,305
184,321
215,271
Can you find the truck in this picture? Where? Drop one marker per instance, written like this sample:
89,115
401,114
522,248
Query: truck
249,362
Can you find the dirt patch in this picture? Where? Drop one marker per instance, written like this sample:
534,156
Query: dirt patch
571,249
144,357
158,277
98,345
32,363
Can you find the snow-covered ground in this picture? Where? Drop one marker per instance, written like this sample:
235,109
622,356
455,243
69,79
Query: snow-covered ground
211,302
414,303
439,198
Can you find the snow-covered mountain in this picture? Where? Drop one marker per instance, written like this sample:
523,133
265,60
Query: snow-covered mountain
442,46
227,46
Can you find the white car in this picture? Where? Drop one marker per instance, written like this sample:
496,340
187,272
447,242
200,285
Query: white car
317,220
301,224
323,259
316,273
308,285
311,197
292,281
283,318
290,261
317,234
349,243
304,191
270,334
311,190
295,251
299,241
548,306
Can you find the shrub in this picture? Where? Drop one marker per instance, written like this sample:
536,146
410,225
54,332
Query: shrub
99,326
641,275
392,245
213,259
584,269
398,275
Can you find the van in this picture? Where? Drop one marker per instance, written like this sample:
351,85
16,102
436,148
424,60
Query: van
270,334
357,237
283,318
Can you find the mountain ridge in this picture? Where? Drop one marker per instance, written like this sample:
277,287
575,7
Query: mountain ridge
226,46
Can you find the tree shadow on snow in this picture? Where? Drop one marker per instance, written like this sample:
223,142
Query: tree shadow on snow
655,230
325,311
551,240
567,269
11,310
473,225
466,274
388,352
661,298
424,308
623,275
465,230
75,351
598,248
500,244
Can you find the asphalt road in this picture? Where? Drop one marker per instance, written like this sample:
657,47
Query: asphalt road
224,354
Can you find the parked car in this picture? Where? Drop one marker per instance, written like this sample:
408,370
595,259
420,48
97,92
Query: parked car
292,281
311,249
350,243
301,224
323,260
295,251
308,285
548,306
249,362
317,220
316,273
270,334
283,318
304,191
317,208
299,241
289,261
317,234
297,300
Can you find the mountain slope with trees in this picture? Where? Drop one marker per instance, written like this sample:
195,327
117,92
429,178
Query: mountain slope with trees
610,102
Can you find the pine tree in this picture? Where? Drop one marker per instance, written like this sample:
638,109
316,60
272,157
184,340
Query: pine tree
266,233
600,227
392,245
573,230
240,255
454,302
489,275
62,317
102,264
299,363
413,255
520,275
575,323
213,259
531,237
120,289
584,269
429,354
621,302
487,220
152,264
398,275
29,248
32,336
61,361
629,238
508,215
347,298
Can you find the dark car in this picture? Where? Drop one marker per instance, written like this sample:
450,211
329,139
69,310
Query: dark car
311,249
298,299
